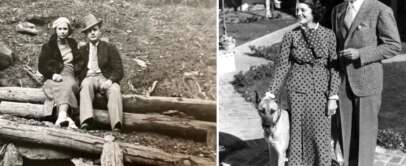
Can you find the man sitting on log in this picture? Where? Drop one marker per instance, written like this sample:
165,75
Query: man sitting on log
100,71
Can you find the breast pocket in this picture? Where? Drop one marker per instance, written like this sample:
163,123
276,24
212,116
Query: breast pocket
365,34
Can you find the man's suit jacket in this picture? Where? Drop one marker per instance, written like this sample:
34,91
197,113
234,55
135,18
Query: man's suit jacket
109,61
374,32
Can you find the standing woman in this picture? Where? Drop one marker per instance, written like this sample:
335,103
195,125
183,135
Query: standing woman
308,60
56,64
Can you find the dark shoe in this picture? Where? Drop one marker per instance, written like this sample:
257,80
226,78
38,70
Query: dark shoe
61,122
85,126
117,130
64,123
117,127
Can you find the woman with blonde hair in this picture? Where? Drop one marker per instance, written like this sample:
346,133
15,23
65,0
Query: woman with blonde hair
56,64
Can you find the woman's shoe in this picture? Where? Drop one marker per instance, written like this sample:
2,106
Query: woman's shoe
72,124
61,122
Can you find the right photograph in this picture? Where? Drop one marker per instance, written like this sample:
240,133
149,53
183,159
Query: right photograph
311,83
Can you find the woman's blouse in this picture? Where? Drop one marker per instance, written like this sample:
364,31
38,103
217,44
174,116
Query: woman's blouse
309,55
66,53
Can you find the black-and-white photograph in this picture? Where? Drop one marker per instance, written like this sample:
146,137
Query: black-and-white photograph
312,83
108,82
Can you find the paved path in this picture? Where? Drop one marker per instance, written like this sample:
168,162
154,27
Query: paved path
239,118
385,157
236,116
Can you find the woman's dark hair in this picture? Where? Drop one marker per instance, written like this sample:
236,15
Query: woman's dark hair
318,10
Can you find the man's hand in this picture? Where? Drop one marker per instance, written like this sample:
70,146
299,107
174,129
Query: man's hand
106,84
350,53
57,77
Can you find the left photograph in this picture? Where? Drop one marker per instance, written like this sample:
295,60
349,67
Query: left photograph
109,82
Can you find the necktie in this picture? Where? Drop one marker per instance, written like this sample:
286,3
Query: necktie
350,15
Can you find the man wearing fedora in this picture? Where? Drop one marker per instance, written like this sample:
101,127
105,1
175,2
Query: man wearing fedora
99,70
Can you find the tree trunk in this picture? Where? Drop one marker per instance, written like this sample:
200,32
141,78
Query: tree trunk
190,129
200,109
86,143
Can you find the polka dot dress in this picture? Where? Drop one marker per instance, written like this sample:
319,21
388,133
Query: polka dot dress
309,61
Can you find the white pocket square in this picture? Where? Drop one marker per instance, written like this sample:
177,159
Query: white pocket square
362,27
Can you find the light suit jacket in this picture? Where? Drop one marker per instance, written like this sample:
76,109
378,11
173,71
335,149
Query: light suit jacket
374,32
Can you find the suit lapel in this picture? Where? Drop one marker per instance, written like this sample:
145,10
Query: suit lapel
85,54
340,21
358,18
101,53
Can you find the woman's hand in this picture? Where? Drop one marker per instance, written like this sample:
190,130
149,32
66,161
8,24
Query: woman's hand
57,77
331,107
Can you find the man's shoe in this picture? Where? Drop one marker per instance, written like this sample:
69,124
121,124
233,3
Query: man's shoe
117,130
117,127
85,126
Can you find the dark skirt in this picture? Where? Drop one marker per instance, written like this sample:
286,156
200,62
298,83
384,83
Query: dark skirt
63,92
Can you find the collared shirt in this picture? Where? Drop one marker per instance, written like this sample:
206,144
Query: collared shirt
66,53
315,27
357,5
93,64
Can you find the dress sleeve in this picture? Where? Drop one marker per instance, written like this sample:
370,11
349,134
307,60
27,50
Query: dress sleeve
282,64
333,65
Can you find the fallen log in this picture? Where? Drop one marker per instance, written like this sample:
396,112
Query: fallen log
31,95
200,109
26,110
85,143
177,127
37,152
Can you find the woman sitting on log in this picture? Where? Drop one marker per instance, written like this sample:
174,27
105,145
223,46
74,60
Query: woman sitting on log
56,64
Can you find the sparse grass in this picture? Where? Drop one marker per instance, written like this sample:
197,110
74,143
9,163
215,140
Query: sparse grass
173,37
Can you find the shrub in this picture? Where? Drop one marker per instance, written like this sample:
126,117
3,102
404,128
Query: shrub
257,78
390,139
270,52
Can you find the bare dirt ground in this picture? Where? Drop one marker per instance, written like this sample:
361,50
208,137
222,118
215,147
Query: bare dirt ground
176,39
172,38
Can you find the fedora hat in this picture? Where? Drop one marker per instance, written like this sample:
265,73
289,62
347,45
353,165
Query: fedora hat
90,21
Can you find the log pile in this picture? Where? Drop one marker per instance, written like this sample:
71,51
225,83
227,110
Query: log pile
140,114
200,109
85,143
190,129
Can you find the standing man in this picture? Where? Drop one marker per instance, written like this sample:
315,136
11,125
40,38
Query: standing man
100,70
366,33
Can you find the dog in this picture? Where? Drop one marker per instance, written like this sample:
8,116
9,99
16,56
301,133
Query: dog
275,123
